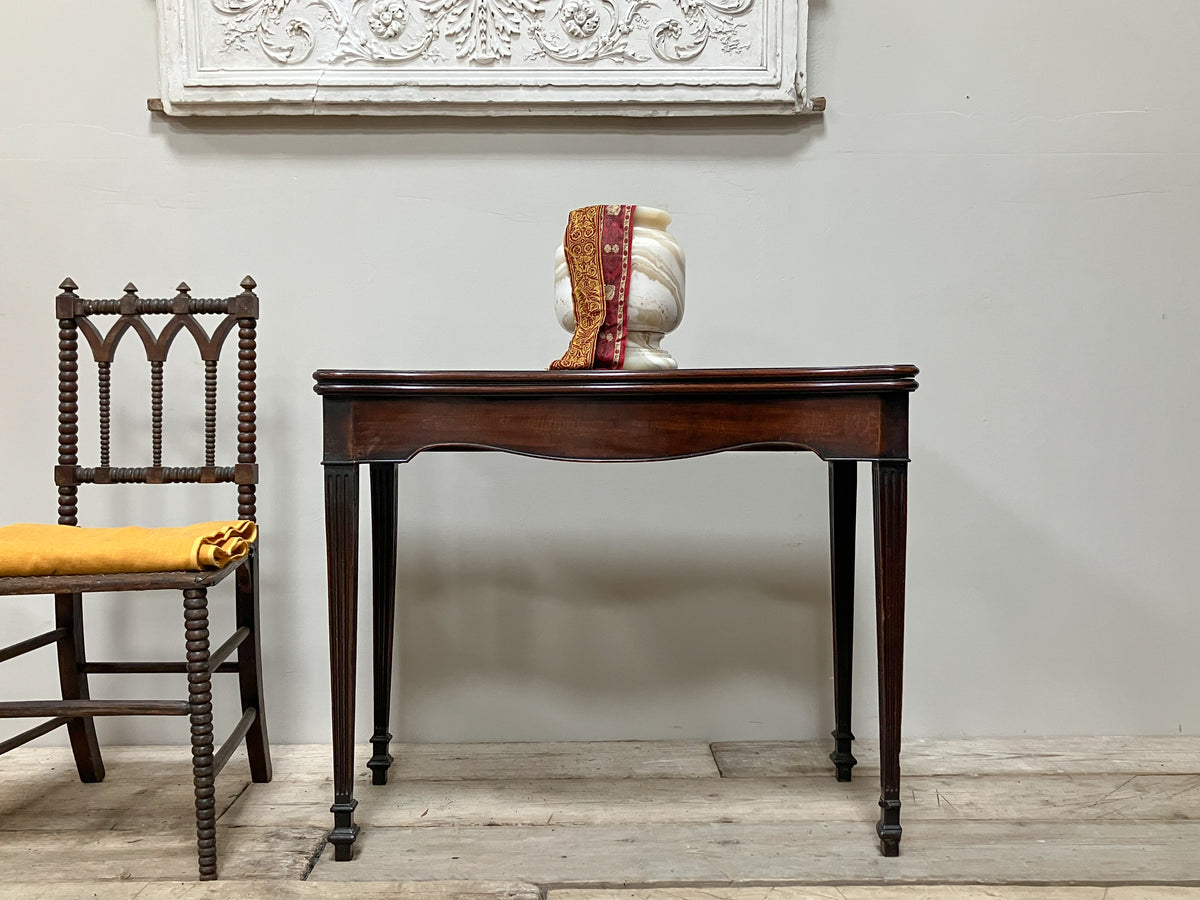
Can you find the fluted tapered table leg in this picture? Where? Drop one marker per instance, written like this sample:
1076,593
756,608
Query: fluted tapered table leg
843,490
383,610
890,489
341,536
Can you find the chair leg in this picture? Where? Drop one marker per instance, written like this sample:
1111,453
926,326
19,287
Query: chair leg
250,681
68,616
195,606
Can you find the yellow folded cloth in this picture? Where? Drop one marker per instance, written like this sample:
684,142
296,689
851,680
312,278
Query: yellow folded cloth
67,550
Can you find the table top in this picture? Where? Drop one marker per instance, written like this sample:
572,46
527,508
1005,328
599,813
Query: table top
594,415
332,382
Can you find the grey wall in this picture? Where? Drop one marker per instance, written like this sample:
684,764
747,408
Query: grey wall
1005,194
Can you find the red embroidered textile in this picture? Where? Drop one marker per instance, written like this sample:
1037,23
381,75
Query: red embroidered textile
599,248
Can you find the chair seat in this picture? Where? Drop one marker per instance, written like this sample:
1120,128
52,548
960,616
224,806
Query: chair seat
32,549
139,581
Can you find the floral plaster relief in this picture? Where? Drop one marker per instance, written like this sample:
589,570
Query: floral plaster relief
626,57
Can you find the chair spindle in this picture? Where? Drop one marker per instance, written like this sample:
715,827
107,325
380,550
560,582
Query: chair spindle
68,400
247,360
210,412
104,382
156,411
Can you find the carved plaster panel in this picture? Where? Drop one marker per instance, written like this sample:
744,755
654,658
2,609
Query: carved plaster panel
483,57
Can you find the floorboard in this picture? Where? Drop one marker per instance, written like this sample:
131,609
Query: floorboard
298,801
454,890
165,855
278,890
832,852
1155,755
888,892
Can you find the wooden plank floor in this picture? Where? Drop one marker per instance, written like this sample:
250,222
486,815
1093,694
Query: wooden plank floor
1022,819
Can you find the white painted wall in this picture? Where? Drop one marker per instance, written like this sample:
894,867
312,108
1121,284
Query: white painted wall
1006,194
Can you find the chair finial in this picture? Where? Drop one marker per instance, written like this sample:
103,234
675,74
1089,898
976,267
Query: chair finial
131,288
68,285
249,283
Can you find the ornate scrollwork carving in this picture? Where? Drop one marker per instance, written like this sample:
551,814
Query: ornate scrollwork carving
676,40
386,31
484,32
285,30
569,36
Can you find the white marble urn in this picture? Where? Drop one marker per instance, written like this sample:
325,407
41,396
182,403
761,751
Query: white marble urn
655,291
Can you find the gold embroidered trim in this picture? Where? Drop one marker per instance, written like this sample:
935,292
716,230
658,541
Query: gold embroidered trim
626,251
581,244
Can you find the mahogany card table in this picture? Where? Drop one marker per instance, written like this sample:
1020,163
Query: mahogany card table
844,416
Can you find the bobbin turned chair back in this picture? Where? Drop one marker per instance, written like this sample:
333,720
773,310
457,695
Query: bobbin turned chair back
103,325
79,317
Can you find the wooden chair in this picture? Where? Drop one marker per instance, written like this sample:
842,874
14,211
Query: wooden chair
76,710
